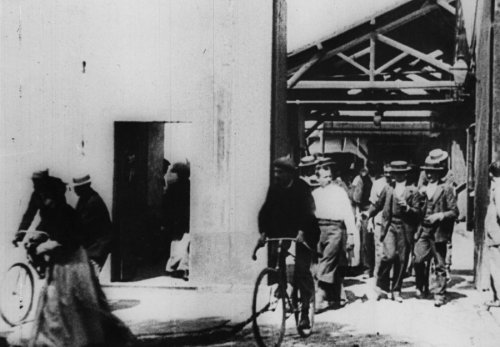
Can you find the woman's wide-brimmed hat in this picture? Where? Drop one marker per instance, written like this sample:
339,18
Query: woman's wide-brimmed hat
399,166
435,159
308,161
285,163
81,180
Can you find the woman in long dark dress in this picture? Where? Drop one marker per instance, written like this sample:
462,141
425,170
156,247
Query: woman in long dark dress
72,309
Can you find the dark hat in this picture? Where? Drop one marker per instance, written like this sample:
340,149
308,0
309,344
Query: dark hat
285,163
40,174
399,166
81,180
494,168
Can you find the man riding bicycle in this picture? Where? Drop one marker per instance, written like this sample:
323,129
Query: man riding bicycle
288,211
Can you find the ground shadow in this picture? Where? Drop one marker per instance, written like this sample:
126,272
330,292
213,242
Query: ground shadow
352,282
462,272
123,304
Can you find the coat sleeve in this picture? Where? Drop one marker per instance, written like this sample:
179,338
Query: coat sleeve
416,203
451,211
30,213
264,214
379,204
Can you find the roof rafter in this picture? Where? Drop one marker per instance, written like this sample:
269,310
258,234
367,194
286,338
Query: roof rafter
353,63
407,49
380,30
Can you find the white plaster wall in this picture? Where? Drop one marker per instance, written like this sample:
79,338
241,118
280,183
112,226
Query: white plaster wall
199,61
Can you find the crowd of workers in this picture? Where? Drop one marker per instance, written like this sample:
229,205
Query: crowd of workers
383,221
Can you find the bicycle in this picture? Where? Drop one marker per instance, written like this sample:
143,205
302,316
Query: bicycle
18,284
272,304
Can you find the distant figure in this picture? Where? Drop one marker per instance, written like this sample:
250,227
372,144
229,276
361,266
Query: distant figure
288,211
492,226
72,309
375,227
176,224
93,221
440,212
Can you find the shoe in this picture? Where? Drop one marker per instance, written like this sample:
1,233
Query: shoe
438,302
304,323
419,294
379,293
396,297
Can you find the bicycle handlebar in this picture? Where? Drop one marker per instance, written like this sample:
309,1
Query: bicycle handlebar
261,244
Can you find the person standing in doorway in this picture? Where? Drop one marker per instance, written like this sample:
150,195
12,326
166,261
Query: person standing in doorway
440,212
337,226
177,214
288,211
93,222
401,208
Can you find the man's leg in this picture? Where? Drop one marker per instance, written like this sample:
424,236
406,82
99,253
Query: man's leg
304,281
400,262
440,258
422,251
383,276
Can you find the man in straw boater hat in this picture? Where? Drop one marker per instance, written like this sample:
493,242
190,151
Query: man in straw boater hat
307,167
401,207
288,211
440,211
94,223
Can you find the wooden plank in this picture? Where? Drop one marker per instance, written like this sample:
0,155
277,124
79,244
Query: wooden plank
353,63
444,4
375,85
391,62
495,121
303,69
483,143
374,102
407,49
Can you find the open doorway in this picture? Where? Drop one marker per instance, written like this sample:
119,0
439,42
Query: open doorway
146,156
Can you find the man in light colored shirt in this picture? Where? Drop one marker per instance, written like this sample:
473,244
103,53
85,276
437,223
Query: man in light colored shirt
401,208
375,226
337,225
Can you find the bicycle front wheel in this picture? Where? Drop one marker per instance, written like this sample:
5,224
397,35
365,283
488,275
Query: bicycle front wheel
268,309
16,294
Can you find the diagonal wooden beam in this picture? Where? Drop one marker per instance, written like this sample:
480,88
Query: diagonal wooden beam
303,69
391,62
407,49
313,128
353,63
444,4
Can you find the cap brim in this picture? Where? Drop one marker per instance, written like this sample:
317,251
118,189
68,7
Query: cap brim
432,168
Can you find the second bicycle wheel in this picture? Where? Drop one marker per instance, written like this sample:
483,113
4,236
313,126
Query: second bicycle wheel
16,294
297,303
268,309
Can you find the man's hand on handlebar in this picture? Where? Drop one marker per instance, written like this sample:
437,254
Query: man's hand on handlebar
262,240
300,237
18,237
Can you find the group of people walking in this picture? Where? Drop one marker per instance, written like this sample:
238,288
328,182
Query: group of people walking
409,222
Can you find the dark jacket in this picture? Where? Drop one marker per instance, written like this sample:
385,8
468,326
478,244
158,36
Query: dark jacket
444,200
176,208
288,210
94,226
387,203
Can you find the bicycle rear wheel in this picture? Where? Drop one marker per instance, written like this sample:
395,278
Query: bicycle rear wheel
16,294
268,309
297,303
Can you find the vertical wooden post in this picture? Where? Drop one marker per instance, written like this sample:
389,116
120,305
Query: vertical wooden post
372,51
495,75
280,137
483,133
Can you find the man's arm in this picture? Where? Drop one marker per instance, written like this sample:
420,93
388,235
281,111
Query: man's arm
379,204
451,203
30,213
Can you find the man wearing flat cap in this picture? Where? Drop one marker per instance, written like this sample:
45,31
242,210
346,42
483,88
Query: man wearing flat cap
93,222
288,211
440,212
401,207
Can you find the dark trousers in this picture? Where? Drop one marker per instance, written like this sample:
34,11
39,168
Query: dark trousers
302,278
367,248
425,250
396,250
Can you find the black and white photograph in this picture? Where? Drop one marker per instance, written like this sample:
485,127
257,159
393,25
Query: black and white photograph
264,173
